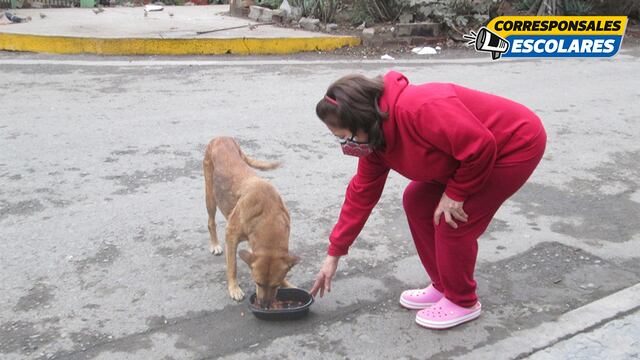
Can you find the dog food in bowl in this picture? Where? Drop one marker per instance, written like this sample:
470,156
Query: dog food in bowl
290,304
281,304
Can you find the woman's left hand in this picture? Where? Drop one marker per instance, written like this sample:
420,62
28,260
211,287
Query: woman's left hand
451,209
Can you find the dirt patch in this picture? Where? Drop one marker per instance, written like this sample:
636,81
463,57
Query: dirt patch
40,295
131,183
106,256
606,215
20,208
25,337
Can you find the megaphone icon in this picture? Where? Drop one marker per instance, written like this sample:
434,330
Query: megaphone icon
485,40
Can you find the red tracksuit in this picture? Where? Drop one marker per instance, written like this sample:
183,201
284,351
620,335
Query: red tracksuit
475,147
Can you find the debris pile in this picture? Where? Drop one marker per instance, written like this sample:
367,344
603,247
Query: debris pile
16,19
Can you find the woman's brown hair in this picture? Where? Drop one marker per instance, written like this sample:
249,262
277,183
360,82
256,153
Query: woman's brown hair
353,100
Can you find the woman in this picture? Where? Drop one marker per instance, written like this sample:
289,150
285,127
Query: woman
465,151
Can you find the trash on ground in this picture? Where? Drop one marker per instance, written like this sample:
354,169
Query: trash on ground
387,57
427,50
153,7
587,286
286,7
16,19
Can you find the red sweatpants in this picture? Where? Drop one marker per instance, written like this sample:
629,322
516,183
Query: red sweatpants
448,254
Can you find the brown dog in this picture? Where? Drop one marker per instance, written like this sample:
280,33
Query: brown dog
254,212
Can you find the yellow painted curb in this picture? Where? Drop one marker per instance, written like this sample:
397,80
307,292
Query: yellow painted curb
137,46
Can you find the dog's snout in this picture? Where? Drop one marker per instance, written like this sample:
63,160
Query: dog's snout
266,299
265,304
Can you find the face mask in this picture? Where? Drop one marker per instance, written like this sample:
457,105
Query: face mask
354,148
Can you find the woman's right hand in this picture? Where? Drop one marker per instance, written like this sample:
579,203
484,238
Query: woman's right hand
326,273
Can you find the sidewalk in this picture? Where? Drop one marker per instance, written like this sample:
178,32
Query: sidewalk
606,328
618,339
173,31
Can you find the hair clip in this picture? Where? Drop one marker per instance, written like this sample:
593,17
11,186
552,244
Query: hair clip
330,100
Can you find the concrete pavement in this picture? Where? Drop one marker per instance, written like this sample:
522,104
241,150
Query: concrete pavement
618,339
173,31
575,330
104,227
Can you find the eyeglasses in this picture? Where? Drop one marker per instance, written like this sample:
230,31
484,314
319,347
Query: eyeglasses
344,139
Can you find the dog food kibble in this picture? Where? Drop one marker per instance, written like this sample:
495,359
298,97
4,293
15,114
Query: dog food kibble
287,304
283,304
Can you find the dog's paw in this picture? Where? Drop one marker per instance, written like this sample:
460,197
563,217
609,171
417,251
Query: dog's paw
215,250
236,293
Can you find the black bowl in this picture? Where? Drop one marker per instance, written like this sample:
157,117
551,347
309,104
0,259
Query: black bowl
291,313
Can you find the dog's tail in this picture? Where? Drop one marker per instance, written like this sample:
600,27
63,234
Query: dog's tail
257,164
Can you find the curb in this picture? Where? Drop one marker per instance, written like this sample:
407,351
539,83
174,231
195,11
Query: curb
524,343
142,46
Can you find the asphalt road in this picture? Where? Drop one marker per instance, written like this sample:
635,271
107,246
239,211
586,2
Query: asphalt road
103,223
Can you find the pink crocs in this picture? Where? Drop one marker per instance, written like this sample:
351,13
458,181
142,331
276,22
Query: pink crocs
445,314
416,299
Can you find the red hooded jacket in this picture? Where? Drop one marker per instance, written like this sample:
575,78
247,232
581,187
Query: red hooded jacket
436,132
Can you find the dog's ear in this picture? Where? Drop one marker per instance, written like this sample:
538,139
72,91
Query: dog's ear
247,256
293,260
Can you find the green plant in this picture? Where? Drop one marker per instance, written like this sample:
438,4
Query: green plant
383,10
486,8
327,9
462,7
271,4
357,15
617,7
305,5
324,10
578,7
525,5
